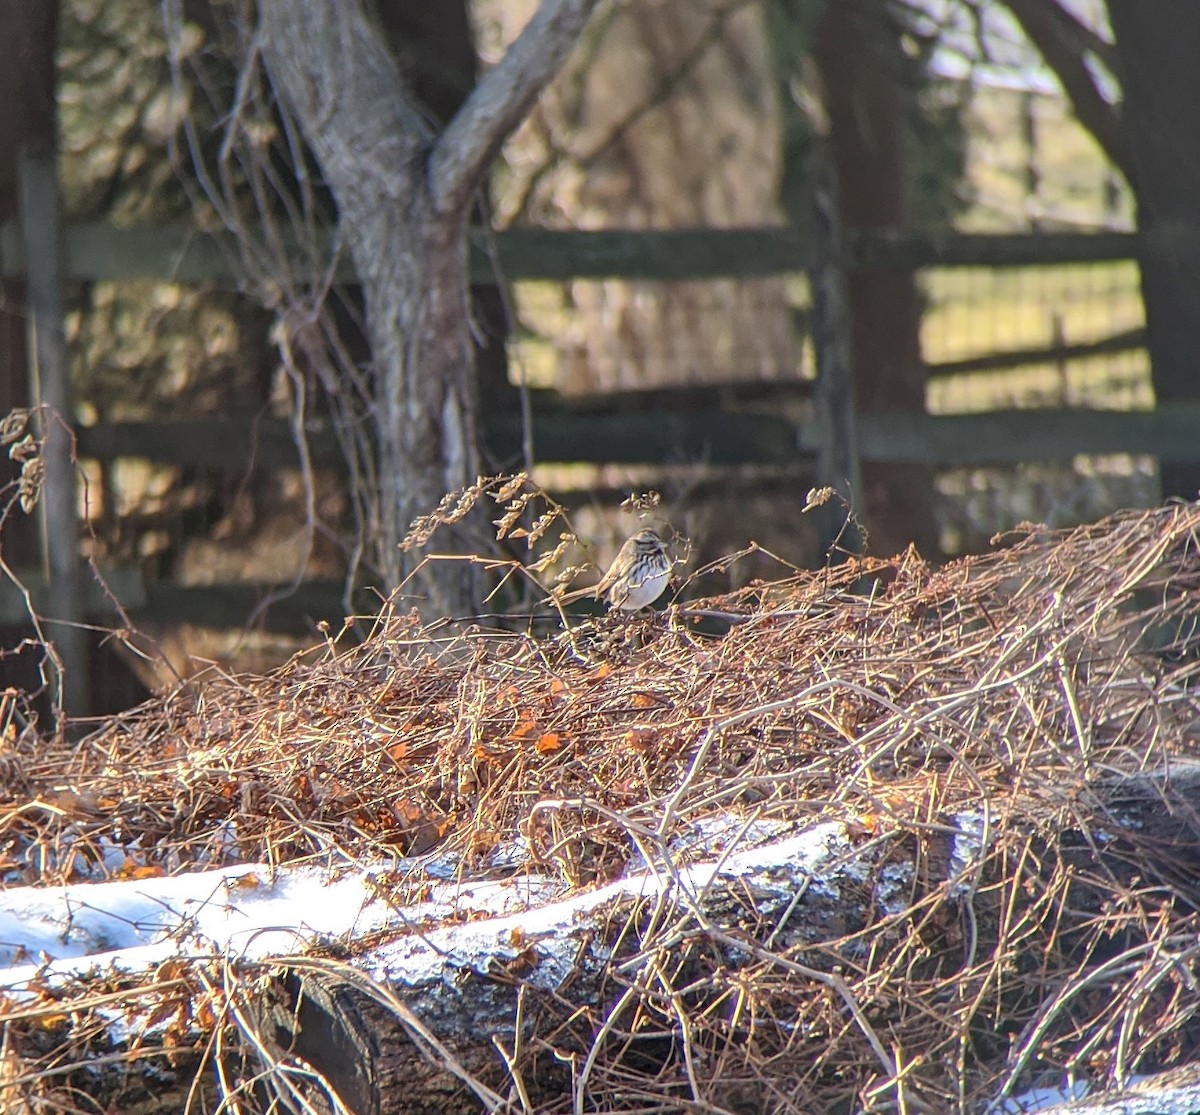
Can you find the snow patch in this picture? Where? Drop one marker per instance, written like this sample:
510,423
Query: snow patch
52,934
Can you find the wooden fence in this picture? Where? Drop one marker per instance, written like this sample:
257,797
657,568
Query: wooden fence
606,430
589,431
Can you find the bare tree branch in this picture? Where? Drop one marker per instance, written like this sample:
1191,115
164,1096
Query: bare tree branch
403,196
1064,44
501,100
329,61
667,85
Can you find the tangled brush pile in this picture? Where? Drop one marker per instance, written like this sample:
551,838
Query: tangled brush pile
1041,698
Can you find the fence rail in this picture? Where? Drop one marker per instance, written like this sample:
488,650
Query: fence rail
719,425
224,605
180,253
712,437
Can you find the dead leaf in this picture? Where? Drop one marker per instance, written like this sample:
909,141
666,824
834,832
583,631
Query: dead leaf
72,804
641,739
865,824
419,828
407,811
12,426
484,842
131,870
548,743
524,727
249,881
205,1015
398,751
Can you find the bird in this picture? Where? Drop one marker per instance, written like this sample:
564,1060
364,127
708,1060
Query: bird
637,577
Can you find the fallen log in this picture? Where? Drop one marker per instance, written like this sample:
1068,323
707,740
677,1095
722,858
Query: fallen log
538,1003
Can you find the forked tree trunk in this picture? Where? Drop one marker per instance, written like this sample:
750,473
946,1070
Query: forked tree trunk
332,66
404,193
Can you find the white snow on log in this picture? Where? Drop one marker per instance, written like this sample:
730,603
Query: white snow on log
130,926
52,935
1174,1092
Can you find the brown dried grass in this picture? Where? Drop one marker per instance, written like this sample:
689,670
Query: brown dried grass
1013,687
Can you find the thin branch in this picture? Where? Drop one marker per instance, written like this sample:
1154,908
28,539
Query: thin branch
667,85
1064,44
501,100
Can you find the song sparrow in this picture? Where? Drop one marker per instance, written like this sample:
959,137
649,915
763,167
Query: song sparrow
637,576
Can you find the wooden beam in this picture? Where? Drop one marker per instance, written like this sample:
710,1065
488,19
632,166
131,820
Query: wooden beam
179,253
100,252
217,605
125,584
909,251
663,255
714,436
717,436
1129,340
176,253
231,605
1013,436
234,444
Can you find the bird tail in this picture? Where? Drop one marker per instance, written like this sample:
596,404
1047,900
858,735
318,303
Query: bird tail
570,597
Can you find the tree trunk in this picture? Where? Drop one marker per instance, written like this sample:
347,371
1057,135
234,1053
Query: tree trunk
404,193
857,51
1158,45
1152,841
372,146
19,661
436,47
838,465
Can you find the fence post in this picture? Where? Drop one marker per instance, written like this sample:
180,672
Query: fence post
51,390
837,458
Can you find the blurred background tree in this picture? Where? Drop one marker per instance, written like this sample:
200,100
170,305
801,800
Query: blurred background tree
1159,137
